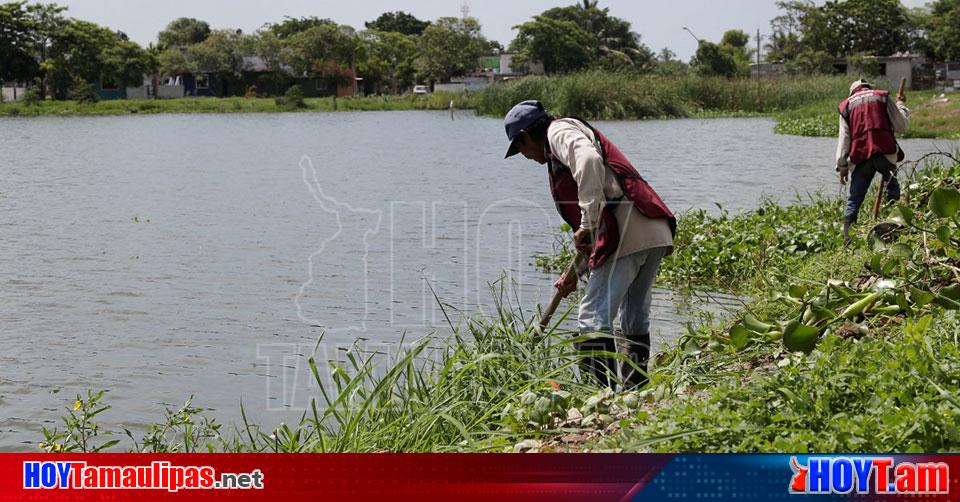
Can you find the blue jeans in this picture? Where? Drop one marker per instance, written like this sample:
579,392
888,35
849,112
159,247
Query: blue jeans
624,288
860,182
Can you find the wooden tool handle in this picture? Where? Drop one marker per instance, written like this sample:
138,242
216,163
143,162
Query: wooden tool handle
902,89
876,202
570,277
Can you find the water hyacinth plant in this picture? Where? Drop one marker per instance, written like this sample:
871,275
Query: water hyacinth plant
866,358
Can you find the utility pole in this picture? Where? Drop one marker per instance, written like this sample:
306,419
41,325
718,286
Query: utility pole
758,69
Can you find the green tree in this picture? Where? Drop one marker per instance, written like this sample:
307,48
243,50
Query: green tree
561,45
291,26
839,28
398,22
65,51
730,58
183,32
127,62
879,27
451,46
386,59
942,29
174,62
47,25
220,54
607,41
735,38
736,43
77,53
16,60
787,30
714,60
325,51
267,45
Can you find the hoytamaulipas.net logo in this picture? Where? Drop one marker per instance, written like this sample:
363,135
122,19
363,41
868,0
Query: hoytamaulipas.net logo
156,476
868,475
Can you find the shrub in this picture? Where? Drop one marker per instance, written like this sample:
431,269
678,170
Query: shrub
82,92
32,96
292,99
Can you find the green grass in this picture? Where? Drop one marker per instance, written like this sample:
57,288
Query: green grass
930,117
592,95
599,95
435,101
856,350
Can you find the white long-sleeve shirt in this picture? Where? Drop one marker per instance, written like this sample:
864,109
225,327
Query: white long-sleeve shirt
575,146
899,119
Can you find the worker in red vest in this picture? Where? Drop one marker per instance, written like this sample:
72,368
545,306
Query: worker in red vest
868,119
619,220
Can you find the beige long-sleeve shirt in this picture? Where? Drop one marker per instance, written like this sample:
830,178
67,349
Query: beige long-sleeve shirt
575,146
899,119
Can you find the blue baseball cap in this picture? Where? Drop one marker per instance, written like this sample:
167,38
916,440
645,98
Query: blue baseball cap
520,117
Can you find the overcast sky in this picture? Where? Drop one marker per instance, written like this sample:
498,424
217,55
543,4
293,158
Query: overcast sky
658,22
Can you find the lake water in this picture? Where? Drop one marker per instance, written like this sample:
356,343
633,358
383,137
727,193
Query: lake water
160,257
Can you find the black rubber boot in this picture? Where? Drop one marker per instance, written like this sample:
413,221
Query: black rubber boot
846,231
637,350
603,368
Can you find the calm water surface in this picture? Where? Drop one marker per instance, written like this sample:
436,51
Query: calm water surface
160,257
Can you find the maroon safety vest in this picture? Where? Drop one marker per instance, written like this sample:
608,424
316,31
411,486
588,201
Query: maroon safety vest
563,187
870,130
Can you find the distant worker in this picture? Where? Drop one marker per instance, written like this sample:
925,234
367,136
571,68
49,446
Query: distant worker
868,121
621,224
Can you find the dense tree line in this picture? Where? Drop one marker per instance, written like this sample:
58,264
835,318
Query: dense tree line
808,36
39,43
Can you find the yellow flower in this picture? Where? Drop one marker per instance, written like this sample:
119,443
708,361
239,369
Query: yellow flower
57,446
77,405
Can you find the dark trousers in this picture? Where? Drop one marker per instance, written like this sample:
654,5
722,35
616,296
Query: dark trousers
860,182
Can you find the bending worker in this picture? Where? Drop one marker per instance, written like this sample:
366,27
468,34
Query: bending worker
620,222
868,119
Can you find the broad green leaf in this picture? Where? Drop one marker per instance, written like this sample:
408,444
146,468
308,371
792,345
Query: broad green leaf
797,291
943,233
900,250
889,266
945,202
901,215
691,347
952,292
739,337
946,302
800,337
